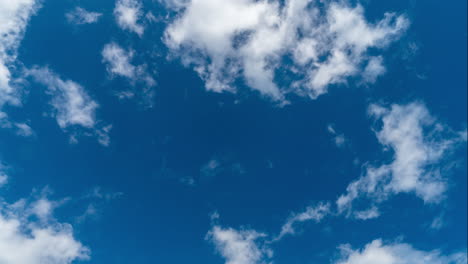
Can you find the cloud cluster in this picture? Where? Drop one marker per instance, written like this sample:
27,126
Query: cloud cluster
419,144
325,42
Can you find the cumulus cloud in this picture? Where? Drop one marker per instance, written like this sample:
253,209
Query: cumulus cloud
80,16
29,234
128,14
240,246
397,253
326,43
72,106
419,144
14,17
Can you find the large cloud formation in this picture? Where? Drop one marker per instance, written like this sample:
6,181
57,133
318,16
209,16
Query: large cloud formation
251,40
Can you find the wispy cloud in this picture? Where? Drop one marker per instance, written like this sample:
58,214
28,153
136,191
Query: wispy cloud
80,16
71,105
419,144
118,62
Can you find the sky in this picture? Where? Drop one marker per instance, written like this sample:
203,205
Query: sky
234,131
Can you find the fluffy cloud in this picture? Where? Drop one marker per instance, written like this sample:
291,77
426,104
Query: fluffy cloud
326,43
419,144
80,16
72,106
397,253
14,17
128,14
29,234
240,247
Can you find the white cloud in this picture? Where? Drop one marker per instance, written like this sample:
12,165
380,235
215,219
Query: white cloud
23,129
240,247
396,253
373,69
80,16
128,14
14,17
312,213
222,48
29,234
119,62
370,213
72,106
419,144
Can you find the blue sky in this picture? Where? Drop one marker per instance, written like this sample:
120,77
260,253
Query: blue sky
235,131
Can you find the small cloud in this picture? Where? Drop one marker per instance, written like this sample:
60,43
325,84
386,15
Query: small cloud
211,168
438,223
23,129
3,179
80,16
118,62
128,14
312,213
339,139
370,213
72,106
373,70
20,129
